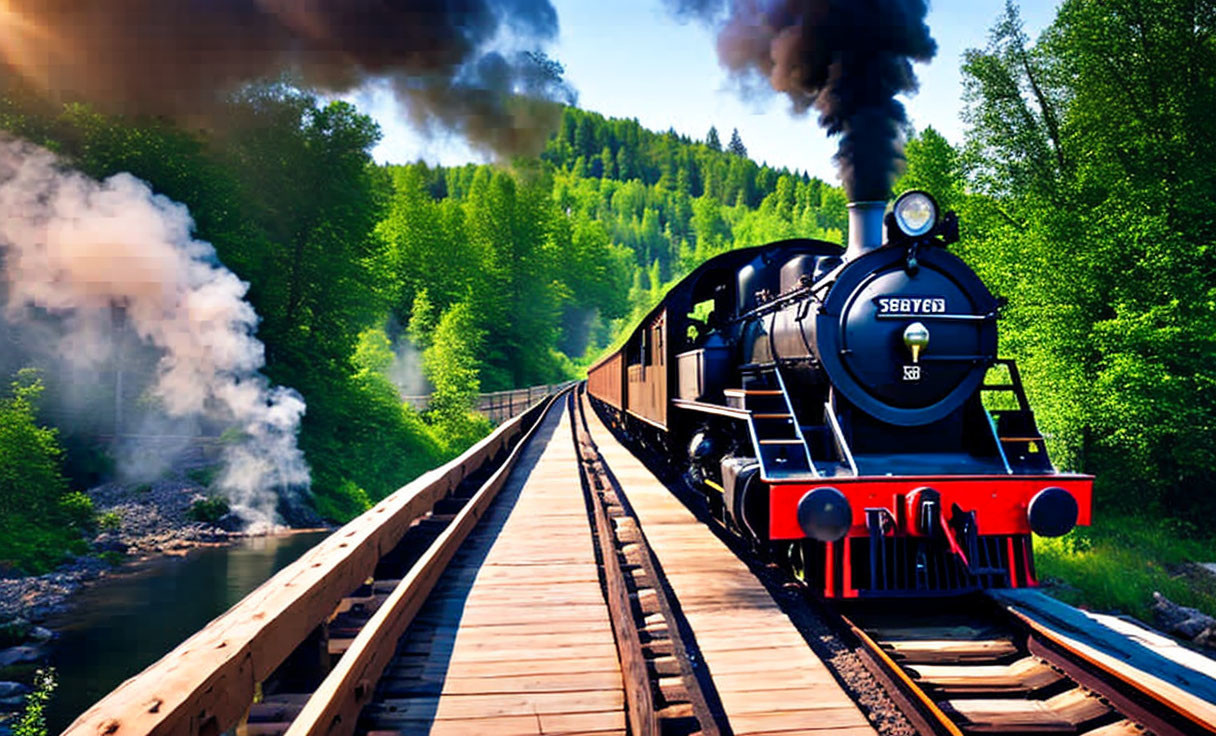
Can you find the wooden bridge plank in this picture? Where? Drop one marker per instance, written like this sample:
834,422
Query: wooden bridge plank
516,637
559,662
734,620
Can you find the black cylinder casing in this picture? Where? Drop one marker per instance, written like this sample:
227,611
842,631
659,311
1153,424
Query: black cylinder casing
855,334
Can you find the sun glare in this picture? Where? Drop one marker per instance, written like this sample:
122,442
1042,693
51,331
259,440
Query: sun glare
18,35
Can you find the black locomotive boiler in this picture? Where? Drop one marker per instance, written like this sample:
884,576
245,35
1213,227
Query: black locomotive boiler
830,403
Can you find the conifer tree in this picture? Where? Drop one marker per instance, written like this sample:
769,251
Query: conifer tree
736,144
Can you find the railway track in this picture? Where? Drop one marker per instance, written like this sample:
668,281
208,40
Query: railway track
662,690
971,667
668,692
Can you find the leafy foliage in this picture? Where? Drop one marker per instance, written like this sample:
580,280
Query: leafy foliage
1120,563
32,721
209,510
1085,190
451,365
40,519
347,502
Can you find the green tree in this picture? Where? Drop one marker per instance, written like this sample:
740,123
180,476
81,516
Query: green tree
736,146
40,519
424,318
451,365
1094,223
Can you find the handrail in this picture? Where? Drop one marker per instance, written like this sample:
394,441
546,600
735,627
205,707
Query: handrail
207,684
498,399
333,709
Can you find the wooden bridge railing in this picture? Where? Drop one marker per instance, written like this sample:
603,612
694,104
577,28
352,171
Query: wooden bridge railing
205,686
500,406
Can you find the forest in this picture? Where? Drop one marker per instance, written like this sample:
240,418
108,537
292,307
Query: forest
1083,187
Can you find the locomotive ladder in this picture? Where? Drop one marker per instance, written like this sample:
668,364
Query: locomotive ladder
775,431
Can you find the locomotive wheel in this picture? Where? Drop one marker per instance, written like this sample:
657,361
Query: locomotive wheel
795,560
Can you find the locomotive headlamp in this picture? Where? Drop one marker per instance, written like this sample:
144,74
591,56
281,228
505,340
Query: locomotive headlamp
916,337
915,213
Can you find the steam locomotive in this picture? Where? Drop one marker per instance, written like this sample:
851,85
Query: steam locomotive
834,406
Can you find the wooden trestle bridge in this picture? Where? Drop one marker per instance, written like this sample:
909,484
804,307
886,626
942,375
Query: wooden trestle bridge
547,582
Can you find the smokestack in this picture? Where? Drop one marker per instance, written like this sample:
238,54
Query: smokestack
865,228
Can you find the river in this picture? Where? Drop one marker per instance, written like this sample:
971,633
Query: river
119,626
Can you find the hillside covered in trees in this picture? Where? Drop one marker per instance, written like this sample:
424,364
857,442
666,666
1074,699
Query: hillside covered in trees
366,278
553,257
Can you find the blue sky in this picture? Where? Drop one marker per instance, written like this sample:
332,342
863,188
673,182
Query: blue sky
631,58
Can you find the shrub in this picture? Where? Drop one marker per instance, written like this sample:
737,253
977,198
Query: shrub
202,476
33,720
345,503
209,510
40,521
78,510
361,432
110,521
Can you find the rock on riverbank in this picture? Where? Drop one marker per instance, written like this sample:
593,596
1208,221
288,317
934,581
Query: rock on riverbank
135,520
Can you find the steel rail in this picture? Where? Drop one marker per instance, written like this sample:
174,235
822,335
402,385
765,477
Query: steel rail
1070,658
639,700
1095,670
701,698
207,684
926,716
333,710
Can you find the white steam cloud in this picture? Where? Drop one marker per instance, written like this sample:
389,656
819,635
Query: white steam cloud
80,252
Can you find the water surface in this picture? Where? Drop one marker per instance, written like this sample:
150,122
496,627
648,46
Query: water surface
122,624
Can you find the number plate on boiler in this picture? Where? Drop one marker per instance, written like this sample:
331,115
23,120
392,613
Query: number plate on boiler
911,372
910,305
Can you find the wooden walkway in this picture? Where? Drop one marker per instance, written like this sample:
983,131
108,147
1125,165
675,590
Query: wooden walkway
516,638
767,677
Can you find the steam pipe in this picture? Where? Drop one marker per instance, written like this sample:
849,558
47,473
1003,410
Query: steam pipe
865,228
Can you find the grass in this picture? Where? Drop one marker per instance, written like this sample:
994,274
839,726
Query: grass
1118,563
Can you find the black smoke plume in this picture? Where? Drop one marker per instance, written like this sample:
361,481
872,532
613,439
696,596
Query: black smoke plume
180,58
846,58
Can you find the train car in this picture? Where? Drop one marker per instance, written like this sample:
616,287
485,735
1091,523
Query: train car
832,404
